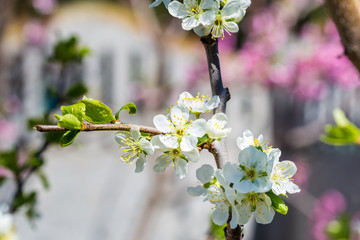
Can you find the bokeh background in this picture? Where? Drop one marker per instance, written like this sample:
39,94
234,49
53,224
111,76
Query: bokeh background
286,70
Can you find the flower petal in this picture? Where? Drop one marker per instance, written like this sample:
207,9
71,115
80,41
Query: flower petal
146,146
161,163
189,23
157,143
264,213
232,172
177,9
140,163
246,140
121,137
188,143
162,123
202,30
192,155
182,98
169,141
244,210
181,168
135,132
179,115
231,10
207,18
198,128
205,173
196,191
220,214
213,103
231,27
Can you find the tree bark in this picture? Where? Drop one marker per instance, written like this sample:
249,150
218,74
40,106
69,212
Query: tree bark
346,15
219,150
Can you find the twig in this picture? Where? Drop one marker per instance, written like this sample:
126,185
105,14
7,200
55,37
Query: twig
219,149
99,127
346,16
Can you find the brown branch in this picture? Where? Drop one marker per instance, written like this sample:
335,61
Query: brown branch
219,148
99,127
346,15
212,53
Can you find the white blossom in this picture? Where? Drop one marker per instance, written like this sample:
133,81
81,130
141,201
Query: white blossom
177,125
175,154
198,104
248,139
281,176
223,197
134,147
258,204
252,173
205,174
194,12
226,20
215,126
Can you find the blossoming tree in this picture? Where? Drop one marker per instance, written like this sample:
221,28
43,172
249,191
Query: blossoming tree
252,186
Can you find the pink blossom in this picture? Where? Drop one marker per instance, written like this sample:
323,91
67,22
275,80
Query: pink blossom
34,33
44,6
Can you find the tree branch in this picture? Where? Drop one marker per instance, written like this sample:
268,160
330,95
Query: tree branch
346,15
219,149
98,127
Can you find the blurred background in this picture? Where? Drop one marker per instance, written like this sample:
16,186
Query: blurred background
286,71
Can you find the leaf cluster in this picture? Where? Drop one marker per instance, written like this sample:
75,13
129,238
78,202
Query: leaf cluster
343,133
68,50
90,110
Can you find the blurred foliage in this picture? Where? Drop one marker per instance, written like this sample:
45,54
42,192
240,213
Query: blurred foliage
22,163
343,133
216,231
68,50
340,228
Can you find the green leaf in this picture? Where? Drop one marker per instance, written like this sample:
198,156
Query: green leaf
131,107
335,135
217,232
29,200
9,161
203,139
96,111
44,179
340,228
69,137
343,133
70,122
35,161
78,110
277,203
77,90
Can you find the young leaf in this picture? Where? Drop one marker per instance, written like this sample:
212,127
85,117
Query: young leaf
203,139
70,122
96,111
131,107
78,110
277,203
69,137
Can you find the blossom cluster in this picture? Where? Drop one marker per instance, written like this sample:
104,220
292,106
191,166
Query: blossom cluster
251,186
208,16
182,135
